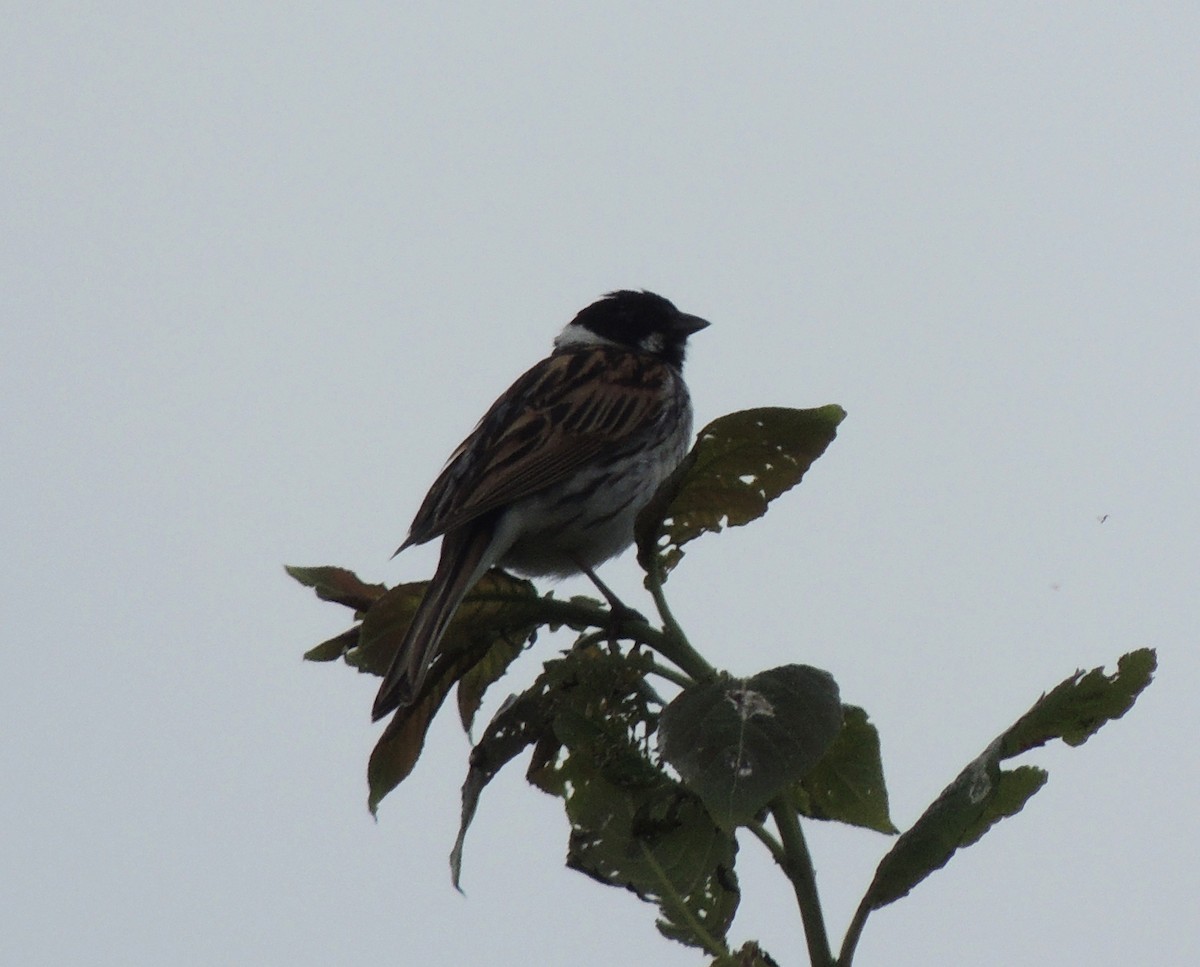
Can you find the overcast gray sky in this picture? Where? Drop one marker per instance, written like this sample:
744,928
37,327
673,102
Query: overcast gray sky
263,267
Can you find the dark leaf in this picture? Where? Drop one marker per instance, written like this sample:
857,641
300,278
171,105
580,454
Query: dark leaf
1078,707
522,721
631,824
1015,788
740,463
500,608
490,627
983,793
490,668
652,837
587,684
935,837
846,785
338,585
399,747
334,648
739,742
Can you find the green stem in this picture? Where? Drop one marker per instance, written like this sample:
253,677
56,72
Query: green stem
669,642
799,870
655,584
856,928
678,649
670,674
580,616
770,842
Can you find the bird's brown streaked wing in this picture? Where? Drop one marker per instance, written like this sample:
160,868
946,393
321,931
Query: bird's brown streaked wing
554,419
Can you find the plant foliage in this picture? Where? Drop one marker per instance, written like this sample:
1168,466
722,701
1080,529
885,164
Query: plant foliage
656,791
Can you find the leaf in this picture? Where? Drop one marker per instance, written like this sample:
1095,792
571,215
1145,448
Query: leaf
1014,789
632,825
338,585
940,831
396,753
490,628
1076,709
399,747
983,793
739,464
334,648
649,835
486,672
499,607
383,627
739,742
847,785
586,681
520,722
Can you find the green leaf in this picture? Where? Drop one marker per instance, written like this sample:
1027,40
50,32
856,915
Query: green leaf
399,747
632,825
1014,789
739,742
587,683
940,831
500,608
521,722
334,648
983,793
847,785
740,463
338,585
490,628
486,672
1077,708
649,835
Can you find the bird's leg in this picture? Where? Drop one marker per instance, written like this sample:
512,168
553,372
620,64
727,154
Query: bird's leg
621,612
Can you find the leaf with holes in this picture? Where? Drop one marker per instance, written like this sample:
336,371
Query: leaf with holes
632,825
983,793
740,463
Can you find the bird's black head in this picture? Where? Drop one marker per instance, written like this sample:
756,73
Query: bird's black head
641,321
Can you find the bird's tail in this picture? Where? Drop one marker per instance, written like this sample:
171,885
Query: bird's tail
464,559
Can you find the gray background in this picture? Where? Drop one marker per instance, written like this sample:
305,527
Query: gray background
262,267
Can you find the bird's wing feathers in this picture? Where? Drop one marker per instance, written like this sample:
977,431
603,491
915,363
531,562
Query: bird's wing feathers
555,418
465,556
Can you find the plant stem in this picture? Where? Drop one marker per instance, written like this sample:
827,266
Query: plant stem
856,928
770,842
678,649
799,870
579,616
670,674
668,642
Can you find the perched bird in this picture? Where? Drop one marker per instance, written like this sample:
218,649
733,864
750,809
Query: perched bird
550,481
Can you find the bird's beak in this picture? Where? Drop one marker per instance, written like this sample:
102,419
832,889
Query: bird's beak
687,325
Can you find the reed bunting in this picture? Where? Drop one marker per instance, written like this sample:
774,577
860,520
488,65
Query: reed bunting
551,480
